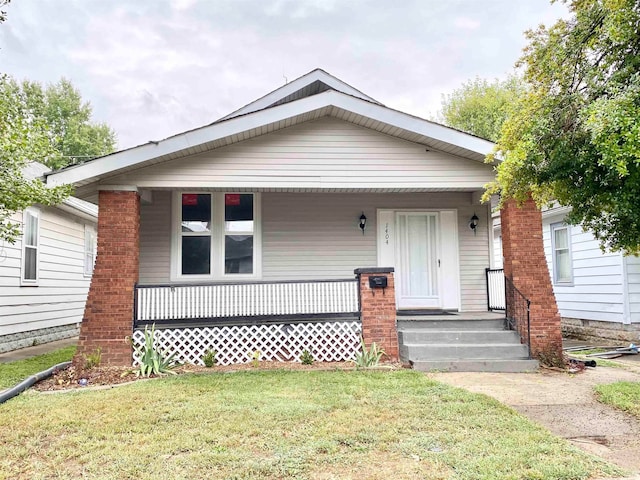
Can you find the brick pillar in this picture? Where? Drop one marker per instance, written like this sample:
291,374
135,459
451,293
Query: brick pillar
378,311
526,264
108,316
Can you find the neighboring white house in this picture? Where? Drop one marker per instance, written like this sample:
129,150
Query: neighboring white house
598,293
45,274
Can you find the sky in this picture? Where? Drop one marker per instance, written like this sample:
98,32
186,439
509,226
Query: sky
155,68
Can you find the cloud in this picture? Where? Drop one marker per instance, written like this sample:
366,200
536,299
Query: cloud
154,69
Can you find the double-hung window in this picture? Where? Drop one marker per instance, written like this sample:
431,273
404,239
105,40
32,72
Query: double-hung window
89,250
216,236
30,246
561,248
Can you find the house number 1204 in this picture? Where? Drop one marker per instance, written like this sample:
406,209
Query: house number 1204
386,233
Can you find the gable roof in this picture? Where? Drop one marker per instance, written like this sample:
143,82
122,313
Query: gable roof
309,97
314,82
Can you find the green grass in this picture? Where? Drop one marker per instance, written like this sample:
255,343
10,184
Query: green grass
281,425
14,372
622,395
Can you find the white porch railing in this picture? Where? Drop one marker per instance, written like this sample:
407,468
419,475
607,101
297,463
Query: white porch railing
495,289
181,302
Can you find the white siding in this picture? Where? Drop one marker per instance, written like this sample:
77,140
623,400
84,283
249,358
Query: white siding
597,291
322,154
155,239
633,284
316,236
60,295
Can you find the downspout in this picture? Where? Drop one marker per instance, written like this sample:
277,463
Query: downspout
22,386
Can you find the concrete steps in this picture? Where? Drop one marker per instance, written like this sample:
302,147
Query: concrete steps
481,345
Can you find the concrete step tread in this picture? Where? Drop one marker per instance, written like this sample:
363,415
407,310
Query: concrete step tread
462,345
477,365
450,330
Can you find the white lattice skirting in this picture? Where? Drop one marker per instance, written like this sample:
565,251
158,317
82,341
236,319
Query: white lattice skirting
327,342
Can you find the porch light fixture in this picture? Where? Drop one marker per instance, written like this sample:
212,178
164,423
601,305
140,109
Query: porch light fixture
473,223
363,222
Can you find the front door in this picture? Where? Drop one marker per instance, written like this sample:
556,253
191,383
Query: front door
417,262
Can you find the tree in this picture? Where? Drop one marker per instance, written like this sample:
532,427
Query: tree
22,140
480,107
71,131
574,135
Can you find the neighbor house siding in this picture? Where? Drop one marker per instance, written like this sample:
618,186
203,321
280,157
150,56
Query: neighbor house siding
633,279
596,292
61,291
324,153
307,236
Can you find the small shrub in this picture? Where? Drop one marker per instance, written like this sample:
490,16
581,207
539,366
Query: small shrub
370,357
306,358
209,358
93,359
255,358
152,361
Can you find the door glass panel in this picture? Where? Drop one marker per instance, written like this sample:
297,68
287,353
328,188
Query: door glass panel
417,234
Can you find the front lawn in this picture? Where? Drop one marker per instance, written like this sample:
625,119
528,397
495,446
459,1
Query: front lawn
281,424
622,395
13,373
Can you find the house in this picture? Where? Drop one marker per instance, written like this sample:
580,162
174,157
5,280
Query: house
251,229
598,293
45,274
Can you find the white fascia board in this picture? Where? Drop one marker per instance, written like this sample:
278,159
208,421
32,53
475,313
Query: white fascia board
417,125
79,208
138,155
294,86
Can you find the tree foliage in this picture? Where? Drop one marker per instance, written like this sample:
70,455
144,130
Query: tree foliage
68,119
480,107
22,140
574,135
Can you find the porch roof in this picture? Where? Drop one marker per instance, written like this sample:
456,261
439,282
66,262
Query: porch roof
310,97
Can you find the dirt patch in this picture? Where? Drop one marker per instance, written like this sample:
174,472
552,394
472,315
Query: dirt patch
77,377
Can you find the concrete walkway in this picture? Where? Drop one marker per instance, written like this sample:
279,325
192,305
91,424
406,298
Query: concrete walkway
566,405
29,352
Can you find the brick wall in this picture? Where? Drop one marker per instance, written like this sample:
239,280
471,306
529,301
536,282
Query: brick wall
525,263
108,317
378,311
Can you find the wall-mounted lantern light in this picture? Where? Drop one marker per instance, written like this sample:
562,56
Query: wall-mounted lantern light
363,222
473,223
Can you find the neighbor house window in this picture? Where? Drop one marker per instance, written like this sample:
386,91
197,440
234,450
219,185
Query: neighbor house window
89,250
216,236
30,246
561,247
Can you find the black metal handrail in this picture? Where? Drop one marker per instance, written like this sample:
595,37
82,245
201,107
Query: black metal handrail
518,313
495,289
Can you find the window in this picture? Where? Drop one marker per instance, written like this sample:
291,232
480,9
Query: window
561,248
89,250
30,246
216,236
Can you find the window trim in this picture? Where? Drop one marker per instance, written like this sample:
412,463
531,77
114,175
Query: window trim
89,230
553,228
217,238
28,282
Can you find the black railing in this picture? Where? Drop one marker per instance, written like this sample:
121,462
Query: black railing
518,313
495,289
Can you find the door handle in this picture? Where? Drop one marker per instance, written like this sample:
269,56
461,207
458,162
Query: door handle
438,263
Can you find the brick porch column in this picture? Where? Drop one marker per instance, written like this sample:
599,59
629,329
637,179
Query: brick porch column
378,311
108,316
526,264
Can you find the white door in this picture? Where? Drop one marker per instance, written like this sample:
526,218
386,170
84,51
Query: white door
417,262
